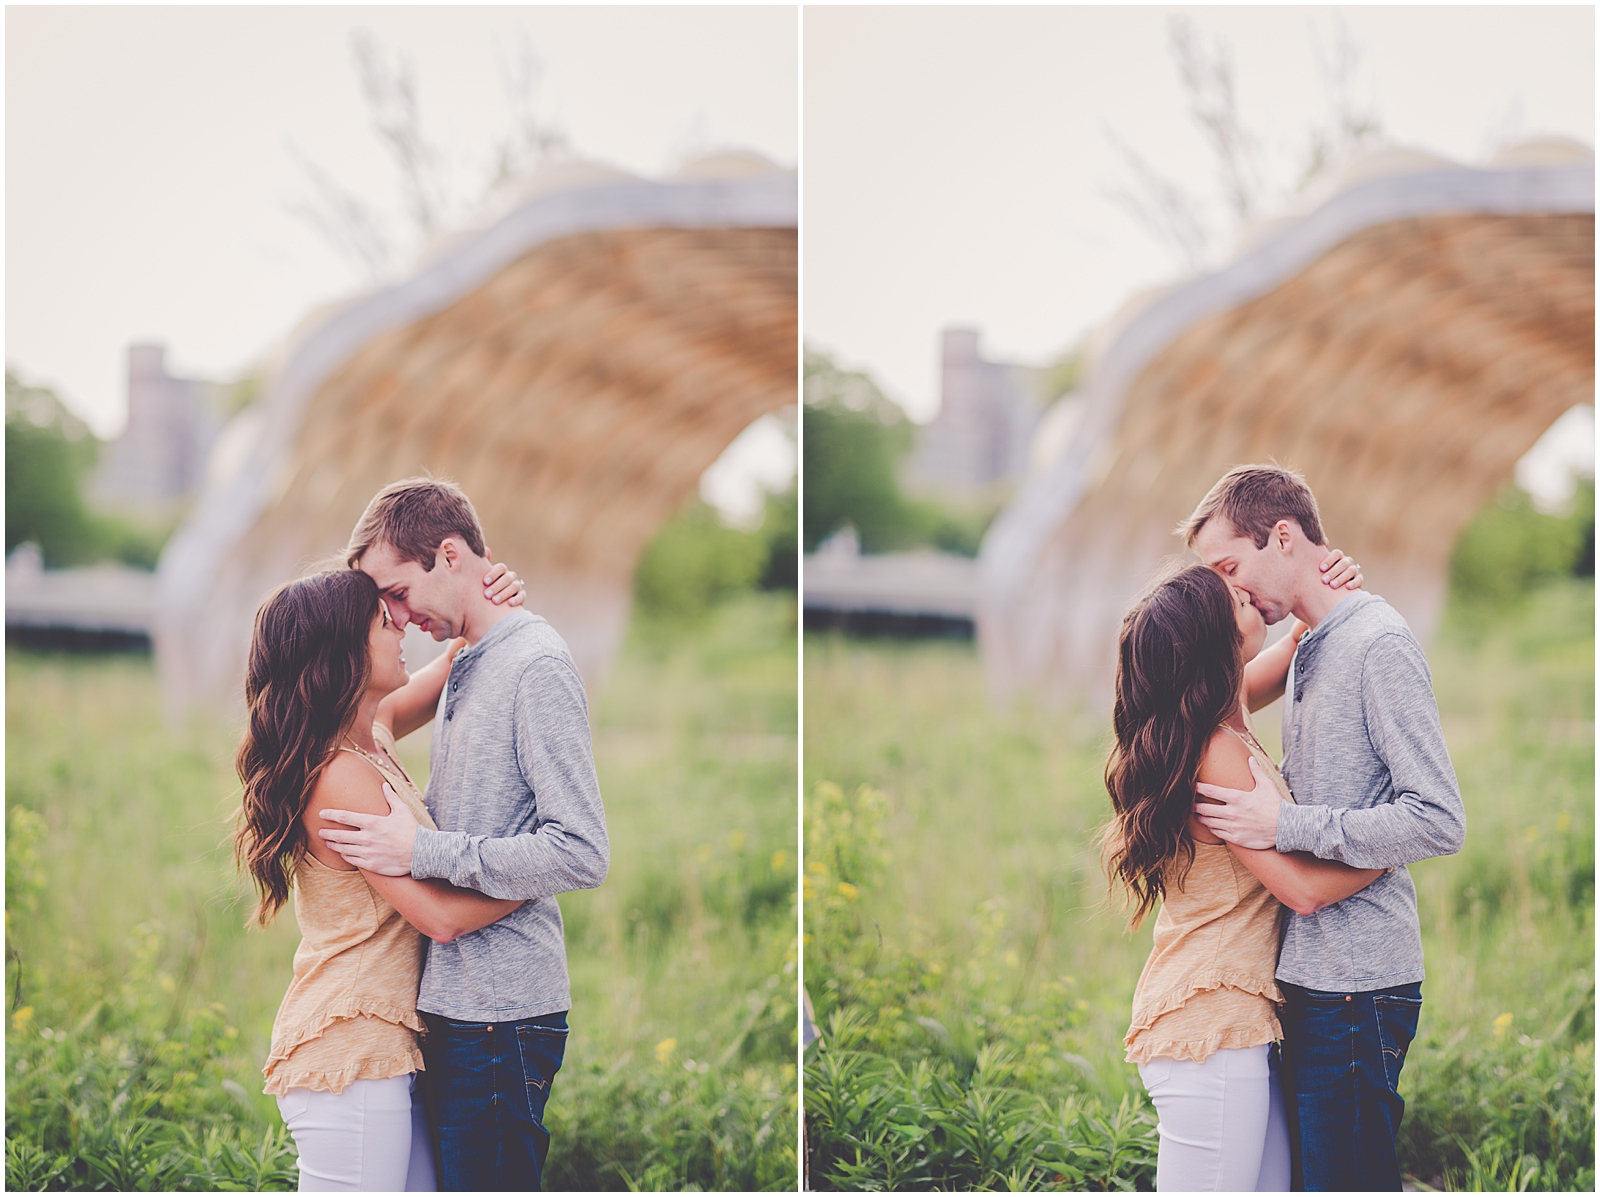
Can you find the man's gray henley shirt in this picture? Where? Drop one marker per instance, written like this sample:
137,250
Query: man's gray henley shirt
512,787
1365,758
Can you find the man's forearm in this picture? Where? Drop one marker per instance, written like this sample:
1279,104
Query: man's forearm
536,865
1380,837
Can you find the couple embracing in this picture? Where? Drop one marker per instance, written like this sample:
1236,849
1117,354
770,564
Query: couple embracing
1272,1019
426,1020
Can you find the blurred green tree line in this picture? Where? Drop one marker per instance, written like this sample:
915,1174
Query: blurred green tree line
693,562
856,437
1511,547
49,453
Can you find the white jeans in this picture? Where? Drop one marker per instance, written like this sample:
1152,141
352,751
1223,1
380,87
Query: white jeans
372,1138
1222,1124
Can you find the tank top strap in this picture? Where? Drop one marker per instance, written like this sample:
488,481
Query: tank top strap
1247,740
402,784
1256,750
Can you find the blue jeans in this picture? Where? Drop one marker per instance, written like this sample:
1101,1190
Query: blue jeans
487,1084
1343,1053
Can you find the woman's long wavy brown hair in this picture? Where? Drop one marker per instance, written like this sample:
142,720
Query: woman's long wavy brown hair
1178,674
310,661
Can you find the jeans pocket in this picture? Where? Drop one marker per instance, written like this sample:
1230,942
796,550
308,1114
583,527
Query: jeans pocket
541,1049
1322,997
1397,1017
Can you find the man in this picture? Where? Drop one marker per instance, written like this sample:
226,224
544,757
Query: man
512,788
1366,761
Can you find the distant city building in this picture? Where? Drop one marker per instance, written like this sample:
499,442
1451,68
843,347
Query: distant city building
160,458
987,415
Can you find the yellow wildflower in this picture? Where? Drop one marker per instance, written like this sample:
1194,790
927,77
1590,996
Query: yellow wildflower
780,858
1502,1024
849,890
664,1050
22,1018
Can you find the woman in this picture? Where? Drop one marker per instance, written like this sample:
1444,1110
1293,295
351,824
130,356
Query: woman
1191,669
328,696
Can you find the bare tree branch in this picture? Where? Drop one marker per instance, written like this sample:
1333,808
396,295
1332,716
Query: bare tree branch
391,92
1168,212
1350,127
531,141
354,230
1177,218
350,228
1208,78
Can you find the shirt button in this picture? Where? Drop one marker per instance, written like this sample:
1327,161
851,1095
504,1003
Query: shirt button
454,686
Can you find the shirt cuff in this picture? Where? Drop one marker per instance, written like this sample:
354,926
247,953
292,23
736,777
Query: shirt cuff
1297,828
431,853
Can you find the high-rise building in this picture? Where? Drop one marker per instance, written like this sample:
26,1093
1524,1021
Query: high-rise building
160,458
987,415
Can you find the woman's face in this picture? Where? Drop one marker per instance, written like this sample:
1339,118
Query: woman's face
388,662
1252,627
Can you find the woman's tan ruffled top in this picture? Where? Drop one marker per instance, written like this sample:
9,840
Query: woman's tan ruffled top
1208,984
351,1010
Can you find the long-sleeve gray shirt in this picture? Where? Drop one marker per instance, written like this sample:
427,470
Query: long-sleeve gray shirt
1365,757
512,787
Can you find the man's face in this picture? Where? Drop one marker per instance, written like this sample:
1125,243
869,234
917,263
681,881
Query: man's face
425,597
1262,573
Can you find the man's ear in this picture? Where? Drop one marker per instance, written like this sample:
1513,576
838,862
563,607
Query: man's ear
450,552
1283,535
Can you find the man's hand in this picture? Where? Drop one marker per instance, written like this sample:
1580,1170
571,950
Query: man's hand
381,843
1248,818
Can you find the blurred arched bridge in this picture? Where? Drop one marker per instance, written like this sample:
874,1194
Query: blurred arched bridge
1402,341
576,361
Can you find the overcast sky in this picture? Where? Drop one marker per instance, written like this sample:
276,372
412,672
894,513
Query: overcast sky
957,159
150,153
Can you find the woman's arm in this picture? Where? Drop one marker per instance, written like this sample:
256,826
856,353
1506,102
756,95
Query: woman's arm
413,704
1266,672
439,910
1299,880
1265,675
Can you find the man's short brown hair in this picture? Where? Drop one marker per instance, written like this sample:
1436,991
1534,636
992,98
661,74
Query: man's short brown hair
413,517
1253,498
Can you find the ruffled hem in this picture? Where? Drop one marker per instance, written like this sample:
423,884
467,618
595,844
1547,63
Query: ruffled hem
1201,1050
340,1079
1146,1013
284,1042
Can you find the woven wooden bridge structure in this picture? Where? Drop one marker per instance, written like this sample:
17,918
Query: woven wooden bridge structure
576,362
1402,343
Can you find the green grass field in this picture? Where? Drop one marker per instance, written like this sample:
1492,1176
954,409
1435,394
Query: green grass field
140,1007
973,984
